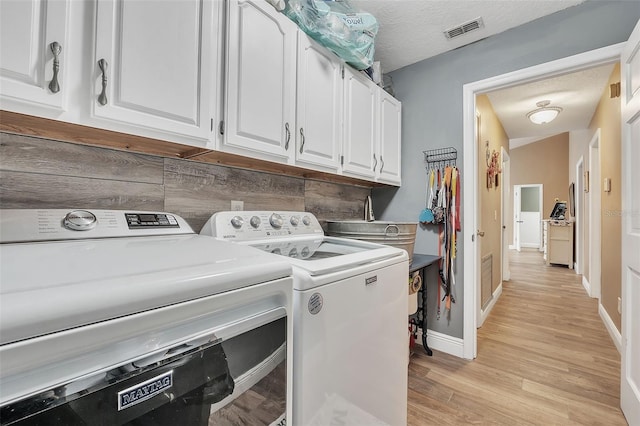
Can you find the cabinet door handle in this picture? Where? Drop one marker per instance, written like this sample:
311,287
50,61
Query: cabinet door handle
56,48
102,97
381,164
288,137
302,140
480,233
375,162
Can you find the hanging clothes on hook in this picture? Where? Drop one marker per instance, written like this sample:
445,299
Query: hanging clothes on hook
443,201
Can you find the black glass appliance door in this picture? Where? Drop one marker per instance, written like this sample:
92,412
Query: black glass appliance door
187,385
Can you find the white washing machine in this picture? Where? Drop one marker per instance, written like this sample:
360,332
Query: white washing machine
128,317
350,317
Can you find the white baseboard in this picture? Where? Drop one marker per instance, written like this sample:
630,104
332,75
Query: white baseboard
586,285
484,313
611,327
443,343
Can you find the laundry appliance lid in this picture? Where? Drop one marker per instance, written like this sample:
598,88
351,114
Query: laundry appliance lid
323,259
52,286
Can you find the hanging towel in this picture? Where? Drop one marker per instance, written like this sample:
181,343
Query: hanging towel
426,216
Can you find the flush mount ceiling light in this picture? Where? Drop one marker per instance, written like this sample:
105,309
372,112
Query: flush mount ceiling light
544,113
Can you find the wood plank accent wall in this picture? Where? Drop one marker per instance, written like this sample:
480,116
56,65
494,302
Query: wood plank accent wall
36,172
22,124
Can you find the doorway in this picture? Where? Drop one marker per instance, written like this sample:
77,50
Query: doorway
472,261
527,213
506,208
577,202
592,187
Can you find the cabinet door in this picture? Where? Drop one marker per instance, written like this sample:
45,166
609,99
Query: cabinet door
158,71
319,105
28,29
389,138
261,81
360,158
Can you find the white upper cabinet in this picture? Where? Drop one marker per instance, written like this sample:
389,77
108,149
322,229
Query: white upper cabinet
260,82
319,106
389,138
359,147
34,48
155,65
232,75
372,128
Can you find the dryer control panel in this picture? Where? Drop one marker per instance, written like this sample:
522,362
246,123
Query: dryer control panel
27,225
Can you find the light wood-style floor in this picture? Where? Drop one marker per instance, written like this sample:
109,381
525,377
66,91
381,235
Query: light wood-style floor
544,358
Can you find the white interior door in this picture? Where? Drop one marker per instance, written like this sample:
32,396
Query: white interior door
630,366
516,217
527,207
530,215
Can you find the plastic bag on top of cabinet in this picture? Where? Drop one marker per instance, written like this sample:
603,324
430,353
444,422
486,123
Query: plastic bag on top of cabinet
336,25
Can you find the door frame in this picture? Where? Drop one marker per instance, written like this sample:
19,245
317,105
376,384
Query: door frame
505,196
517,211
602,56
630,237
578,199
595,226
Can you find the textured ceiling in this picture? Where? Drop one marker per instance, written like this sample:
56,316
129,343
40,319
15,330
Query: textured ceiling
577,94
412,30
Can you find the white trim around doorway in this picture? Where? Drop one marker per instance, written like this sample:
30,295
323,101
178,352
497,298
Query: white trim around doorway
595,228
578,198
567,65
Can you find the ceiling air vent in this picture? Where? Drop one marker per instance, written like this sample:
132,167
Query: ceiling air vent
464,28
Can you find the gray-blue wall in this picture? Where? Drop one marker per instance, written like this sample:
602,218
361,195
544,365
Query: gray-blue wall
431,95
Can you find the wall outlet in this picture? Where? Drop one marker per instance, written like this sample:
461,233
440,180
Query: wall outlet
237,205
619,305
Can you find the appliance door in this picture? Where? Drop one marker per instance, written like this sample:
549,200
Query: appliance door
196,382
320,256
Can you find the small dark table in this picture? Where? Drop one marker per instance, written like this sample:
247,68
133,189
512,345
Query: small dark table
419,263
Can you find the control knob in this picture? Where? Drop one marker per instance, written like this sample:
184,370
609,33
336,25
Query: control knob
254,221
80,220
276,220
237,222
306,220
295,220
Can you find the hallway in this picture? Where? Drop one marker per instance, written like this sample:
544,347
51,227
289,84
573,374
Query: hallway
544,358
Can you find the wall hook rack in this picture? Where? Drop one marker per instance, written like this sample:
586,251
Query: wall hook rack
440,158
